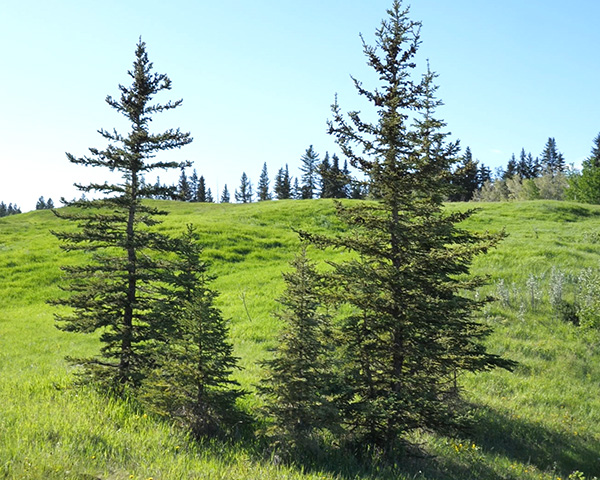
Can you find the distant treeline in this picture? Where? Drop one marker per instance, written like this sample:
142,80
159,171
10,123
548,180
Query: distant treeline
10,209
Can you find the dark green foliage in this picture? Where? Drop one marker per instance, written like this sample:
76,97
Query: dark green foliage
225,197
283,184
586,187
298,385
194,186
114,292
465,178
335,183
209,196
244,194
511,168
551,159
184,189
410,330
263,185
309,168
191,376
201,190
10,209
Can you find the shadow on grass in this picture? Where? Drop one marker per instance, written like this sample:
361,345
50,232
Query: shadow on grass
496,434
531,443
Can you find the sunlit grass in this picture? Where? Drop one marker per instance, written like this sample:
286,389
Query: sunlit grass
540,422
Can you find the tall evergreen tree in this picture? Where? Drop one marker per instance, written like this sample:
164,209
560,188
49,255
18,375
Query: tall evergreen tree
194,186
409,330
209,196
551,159
263,185
244,195
201,191
225,197
184,191
325,173
310,169
41,204
114,292
299,385
191,377
511,168
283,184
464,179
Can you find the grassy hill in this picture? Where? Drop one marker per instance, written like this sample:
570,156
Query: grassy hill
540,422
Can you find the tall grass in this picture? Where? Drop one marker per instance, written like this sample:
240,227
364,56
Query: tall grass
542,421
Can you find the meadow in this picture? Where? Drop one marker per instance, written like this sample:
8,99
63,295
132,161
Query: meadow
541,421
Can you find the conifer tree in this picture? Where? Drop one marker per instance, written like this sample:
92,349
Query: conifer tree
225,197
263,185
50,204
191,377
113,293
209,196
309,168
201,191
552,160
409,331
184,191
283,185
298,385
41,204
464,178
194,186
244,195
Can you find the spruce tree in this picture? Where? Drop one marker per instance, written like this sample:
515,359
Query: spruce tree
113,293
552,160
244,195
201,191
209,196
309,168
298,385
41,204
184,191
464,178
283,185
194,186
263,185
191,376
225,197
410,330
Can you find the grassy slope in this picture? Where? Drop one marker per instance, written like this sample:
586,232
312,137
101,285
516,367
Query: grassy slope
542,421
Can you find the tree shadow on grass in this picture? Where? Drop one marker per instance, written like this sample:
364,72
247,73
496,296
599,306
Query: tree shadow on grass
495,434
532,443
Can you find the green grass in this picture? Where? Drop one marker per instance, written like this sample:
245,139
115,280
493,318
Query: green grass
540,422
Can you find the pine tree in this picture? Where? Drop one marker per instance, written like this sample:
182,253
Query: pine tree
194,186
464,179
263,185
309,168
225,197
298,385
41,204
409,331
244,195
191,377
297,191
50,204
201,191
114,292
184,191
283,185
209,196
552,160
511,168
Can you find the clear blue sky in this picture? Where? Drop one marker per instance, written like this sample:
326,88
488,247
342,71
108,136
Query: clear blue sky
258,78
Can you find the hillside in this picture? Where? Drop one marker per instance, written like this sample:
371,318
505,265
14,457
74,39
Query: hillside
542,421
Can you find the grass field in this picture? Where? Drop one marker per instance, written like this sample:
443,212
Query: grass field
540,422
